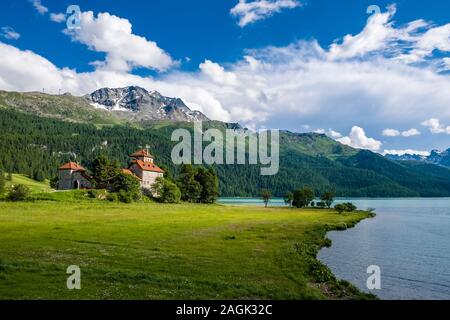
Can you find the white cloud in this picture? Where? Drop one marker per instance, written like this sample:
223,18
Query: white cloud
9,33
250,12
411,43
411,133
395,133
58,17
437,38
358,139
217,73
27,71
435,126
334,134
37,4
375,36
445,64
407,151
390,133
114,36
331,133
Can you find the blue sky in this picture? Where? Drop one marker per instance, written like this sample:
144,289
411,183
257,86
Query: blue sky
287,66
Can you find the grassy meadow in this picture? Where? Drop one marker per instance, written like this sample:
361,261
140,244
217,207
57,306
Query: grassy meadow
155,251
35,186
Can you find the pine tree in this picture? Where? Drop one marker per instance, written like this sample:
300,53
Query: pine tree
189,187
207,178
103,171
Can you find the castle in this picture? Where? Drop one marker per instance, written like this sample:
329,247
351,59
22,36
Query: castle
73,176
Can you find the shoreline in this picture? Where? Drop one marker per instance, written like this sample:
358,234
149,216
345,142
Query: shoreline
333,280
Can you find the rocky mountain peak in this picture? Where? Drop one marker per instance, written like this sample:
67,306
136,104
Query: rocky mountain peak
137,104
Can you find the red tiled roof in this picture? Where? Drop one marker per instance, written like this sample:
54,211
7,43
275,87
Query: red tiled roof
128,171
148,166
72,166
141,153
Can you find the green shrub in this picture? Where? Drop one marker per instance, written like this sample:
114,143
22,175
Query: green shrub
340,208
328,198
112,197
97,194
125,197
166,191
327,243
92,194
320,272
126,183
19,192
303,197
321,204
350,207
345,207
54,182
341,226
288,198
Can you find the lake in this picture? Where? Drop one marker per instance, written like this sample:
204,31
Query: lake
409,240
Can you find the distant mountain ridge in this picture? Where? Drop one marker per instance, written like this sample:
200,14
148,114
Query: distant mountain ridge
55,129
103,106
441,158
136,103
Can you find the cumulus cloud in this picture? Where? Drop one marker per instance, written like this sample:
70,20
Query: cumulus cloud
217,73
37,4
25,70
9,33
407,151
411,133
114,36
250,12
390,133
358,139
58,17
435,126
395,133
331,133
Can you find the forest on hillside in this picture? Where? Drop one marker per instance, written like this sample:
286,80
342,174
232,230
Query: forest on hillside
37,146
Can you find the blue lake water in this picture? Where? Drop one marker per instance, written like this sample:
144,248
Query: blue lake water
409,240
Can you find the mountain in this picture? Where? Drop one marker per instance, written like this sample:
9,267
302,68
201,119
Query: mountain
40,131
406,157
104,106
440,158
137,104
62,107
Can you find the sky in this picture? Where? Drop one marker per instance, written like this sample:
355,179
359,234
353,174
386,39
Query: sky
371,74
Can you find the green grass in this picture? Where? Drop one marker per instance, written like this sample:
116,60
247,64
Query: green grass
34,186
153,251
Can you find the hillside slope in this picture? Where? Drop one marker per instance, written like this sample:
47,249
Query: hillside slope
31,143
